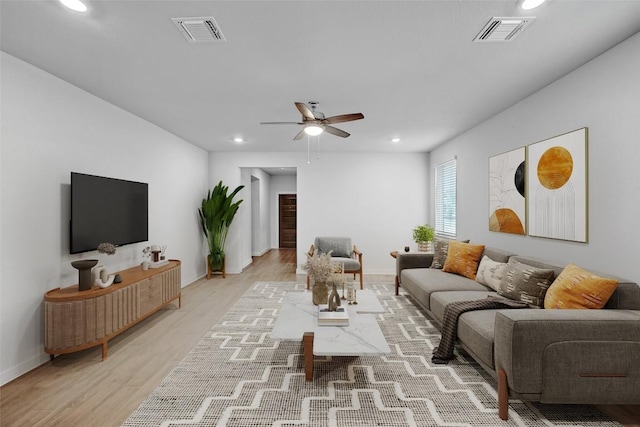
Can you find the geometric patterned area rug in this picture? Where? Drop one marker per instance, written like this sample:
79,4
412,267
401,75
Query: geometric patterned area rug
238,376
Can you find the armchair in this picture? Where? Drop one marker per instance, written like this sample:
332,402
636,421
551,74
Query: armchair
342,251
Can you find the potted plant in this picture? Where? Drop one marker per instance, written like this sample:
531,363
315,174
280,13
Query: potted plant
216,214
423,236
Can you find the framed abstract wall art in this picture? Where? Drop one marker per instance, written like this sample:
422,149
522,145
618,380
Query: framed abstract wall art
507,207
557,187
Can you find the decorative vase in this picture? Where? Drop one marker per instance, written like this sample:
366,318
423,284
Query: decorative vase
145,265
350,291
320,293
98,273
84,273
334,299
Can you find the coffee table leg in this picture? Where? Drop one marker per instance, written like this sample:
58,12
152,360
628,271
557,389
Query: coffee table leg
307,343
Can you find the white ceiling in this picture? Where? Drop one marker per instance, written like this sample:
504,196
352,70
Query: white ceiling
409,66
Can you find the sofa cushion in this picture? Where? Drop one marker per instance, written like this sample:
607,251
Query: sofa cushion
350,264
497,255
490,272
422,282
439,300
440,250
338,246
476,333
626,296
463,259
578,288
522,282
475,328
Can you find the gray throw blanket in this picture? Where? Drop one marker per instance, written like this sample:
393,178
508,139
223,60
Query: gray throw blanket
444,352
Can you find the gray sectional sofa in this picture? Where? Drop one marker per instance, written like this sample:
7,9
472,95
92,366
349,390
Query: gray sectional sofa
550,356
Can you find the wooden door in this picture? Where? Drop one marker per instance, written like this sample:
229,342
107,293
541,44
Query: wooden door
287,209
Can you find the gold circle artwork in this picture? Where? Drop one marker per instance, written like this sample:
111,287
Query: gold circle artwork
506,221
555,168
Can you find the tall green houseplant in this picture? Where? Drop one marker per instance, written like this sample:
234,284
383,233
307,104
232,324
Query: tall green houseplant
216,215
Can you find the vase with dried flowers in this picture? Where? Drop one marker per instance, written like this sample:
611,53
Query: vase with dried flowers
99,276
146,257
323,271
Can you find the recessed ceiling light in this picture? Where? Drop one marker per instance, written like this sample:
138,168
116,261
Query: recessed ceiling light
395,140
76,5
531,4
238,139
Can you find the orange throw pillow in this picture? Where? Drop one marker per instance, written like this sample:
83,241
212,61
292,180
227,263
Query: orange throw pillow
463,259
578,288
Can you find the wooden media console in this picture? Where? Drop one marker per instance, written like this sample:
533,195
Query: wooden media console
76,320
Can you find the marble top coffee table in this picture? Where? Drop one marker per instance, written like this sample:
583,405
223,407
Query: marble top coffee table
298,321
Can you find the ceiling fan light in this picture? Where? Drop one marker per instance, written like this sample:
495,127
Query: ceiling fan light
531,4
76,5
313,130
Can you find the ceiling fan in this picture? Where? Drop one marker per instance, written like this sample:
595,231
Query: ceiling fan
314,122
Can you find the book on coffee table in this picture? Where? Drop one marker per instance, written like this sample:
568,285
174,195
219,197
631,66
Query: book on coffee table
340,317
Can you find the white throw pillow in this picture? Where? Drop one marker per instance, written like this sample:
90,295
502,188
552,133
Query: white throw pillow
490,272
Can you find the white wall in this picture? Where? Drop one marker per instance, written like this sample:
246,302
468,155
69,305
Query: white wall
280,184
50,128
262,230
376,198
603,95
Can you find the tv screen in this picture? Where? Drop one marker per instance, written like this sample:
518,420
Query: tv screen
107,210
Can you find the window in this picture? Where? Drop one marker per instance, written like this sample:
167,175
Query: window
446,198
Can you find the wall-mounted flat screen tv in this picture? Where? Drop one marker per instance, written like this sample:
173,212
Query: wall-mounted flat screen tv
107,210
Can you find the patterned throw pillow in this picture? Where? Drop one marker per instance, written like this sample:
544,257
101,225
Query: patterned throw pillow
490,272
463,258
578,288
522,282
440,250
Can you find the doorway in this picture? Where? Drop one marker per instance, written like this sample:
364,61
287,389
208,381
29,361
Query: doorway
287,208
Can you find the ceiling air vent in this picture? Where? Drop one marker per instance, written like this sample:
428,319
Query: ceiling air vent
503,29
199,30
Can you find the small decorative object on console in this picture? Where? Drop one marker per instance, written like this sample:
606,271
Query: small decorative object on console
84,273
107,248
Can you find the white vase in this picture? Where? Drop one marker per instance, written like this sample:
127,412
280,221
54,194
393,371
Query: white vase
145,265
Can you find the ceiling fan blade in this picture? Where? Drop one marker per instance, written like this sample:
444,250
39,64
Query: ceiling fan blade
281,123
305,111
299,135
343,118
336,131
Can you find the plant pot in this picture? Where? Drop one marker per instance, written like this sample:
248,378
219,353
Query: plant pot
216,261
424,246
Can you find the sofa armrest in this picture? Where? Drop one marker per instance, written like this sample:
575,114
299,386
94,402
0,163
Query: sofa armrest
570,356
412,260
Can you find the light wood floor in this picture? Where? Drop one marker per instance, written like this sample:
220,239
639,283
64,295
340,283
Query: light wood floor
80,390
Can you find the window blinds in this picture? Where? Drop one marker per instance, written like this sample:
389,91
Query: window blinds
446,199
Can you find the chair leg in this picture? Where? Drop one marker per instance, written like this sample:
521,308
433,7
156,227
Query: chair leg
361,283
308,281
